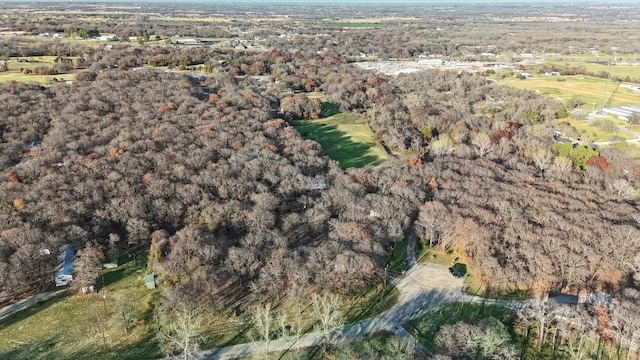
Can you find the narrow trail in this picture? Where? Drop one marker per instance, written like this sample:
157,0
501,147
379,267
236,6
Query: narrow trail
28,302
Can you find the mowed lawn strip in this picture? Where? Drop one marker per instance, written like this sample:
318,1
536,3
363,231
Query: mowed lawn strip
592,91
345,138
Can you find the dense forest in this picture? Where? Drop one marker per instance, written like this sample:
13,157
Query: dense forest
204,170
124,157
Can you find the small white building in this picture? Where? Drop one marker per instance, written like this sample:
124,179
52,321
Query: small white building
188,41
108,38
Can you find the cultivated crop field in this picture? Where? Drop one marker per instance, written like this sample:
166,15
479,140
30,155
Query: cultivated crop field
345,138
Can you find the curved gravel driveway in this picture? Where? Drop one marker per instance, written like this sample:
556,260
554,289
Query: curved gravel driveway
422,288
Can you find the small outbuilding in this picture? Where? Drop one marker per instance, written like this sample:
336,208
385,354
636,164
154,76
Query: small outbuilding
150,281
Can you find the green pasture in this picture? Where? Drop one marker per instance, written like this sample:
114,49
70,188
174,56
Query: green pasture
30,62
345,138
630,149
601,56
348,25
593,92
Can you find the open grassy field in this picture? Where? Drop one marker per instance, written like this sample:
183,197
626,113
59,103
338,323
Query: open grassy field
592,91
345,138
126,323
598,134
79,326
31,62
29,78
626,64
597,66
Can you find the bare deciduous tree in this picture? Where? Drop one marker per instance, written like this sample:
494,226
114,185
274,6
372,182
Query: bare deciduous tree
262,319
482,143
182,333
88,265
326,309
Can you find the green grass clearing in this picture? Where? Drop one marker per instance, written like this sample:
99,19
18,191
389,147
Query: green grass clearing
347,25
374,301
30,62
344,24
345,138
397,261
629,149
382,345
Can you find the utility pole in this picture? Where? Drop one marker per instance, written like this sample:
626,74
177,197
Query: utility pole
104,302
104,339
385,276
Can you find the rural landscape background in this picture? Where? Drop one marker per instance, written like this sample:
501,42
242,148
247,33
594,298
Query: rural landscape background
319,181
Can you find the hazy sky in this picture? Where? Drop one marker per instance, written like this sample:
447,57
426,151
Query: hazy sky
413,2
367,2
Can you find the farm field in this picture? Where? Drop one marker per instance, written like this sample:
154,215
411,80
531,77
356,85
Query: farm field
592,91
345,138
